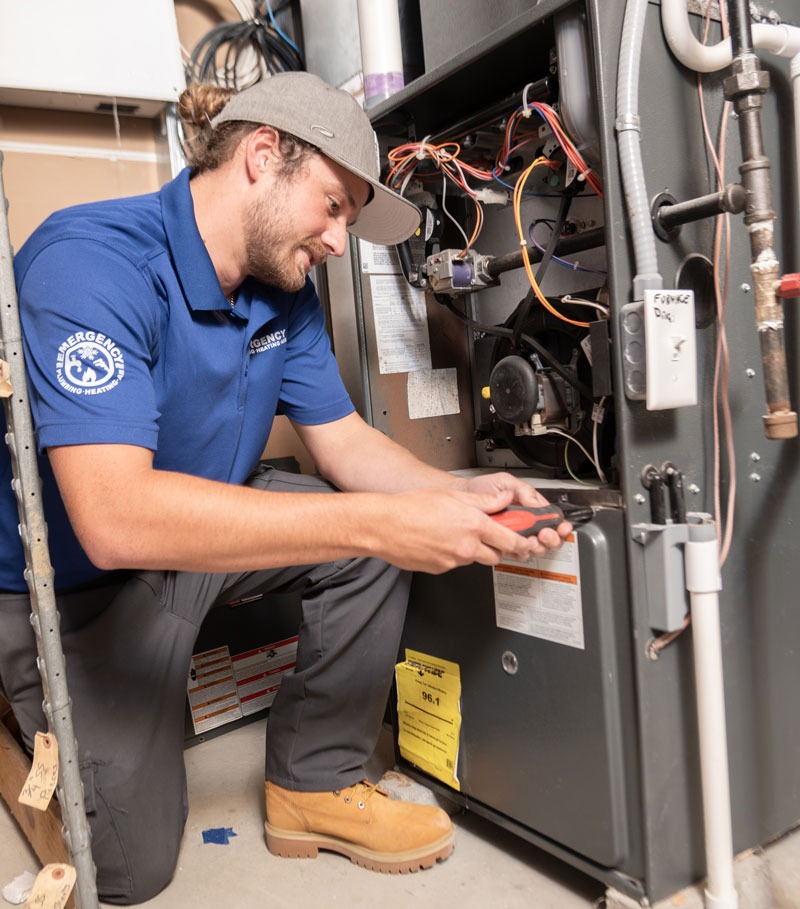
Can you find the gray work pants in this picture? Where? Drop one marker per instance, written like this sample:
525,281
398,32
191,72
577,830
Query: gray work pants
128,645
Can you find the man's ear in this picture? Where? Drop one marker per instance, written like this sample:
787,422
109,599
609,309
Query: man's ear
261,148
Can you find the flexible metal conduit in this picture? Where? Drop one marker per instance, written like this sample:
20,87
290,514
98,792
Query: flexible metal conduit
630,158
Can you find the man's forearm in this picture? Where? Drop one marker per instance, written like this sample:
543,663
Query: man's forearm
359,458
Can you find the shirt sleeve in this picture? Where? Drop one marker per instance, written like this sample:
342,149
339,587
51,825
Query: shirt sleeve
90,318
312,391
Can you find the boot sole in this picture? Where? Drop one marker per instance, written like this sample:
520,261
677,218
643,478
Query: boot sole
296,844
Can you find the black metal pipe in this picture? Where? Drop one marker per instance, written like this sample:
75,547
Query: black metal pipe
740,27
732,199
588,239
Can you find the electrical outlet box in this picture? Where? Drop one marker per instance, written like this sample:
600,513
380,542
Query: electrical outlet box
671,350
665,574
96,55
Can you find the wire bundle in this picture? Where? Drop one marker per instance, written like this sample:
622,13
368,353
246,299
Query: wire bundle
447,158
549,115
238,54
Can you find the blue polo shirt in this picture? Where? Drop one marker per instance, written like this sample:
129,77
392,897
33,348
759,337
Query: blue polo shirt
129,339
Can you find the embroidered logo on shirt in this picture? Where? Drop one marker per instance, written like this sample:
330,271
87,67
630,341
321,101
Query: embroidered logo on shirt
89,363
267,342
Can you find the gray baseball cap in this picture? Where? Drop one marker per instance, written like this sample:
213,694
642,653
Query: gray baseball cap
334,122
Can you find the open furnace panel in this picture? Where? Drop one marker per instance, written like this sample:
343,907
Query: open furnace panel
535,358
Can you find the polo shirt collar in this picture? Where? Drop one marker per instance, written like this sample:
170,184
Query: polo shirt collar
193,265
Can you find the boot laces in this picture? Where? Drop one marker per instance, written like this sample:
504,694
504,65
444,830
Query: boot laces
363,791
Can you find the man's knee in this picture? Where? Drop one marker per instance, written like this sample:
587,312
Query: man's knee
135,838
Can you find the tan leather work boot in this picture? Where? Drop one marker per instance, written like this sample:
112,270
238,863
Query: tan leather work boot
361,822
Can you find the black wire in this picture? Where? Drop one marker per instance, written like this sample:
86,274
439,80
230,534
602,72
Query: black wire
500,332
555,235
229,41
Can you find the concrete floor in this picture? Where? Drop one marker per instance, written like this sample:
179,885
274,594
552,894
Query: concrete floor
489,867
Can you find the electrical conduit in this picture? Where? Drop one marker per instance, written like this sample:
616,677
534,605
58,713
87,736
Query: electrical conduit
630,158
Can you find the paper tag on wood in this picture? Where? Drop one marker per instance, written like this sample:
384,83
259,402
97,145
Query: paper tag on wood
52,887
41,782
5,380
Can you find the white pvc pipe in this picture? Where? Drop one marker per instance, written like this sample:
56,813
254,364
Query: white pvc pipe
781,40
381,49
795,72
703,583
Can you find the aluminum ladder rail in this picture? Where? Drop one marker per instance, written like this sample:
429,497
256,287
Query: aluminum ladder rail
39,576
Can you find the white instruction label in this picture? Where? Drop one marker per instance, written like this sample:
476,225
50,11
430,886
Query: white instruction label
401,325
379,260
213,698
542,597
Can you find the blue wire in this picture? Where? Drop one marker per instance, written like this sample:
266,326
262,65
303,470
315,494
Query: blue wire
572,266
285,37
526,192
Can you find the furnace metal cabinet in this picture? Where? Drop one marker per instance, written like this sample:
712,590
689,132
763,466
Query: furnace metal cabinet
593,754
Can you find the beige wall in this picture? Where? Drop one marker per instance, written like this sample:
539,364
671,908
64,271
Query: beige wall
56,158
52,159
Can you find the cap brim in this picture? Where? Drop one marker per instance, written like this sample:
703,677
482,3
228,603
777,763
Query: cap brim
388,218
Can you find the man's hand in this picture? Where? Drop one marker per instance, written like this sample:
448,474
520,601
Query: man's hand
520,493
435,530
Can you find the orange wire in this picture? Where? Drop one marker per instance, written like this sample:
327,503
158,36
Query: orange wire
517,202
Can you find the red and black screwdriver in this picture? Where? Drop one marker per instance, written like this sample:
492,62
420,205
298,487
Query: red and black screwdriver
528,520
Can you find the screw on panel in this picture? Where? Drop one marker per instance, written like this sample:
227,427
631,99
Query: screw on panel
639,499
510,663
750,373
755,456
745,288
693,488
755,477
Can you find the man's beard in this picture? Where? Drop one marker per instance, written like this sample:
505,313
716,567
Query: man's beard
271,248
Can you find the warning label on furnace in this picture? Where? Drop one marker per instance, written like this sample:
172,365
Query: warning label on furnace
542,597
429,714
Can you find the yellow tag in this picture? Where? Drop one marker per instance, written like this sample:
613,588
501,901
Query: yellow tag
429,715
5,380
52,887
41,782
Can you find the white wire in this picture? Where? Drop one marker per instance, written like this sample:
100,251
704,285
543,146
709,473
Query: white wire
579,301
250,67
566,435
595,427
406,181
245,8
444,209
